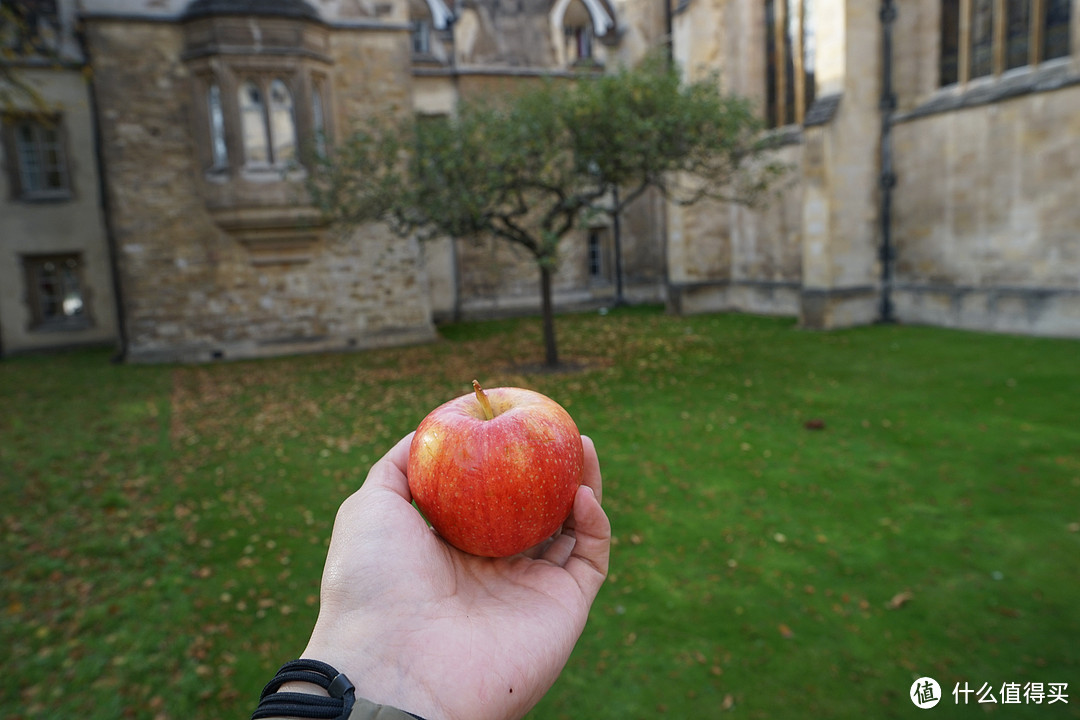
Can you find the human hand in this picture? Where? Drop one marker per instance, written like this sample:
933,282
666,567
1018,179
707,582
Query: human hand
421,626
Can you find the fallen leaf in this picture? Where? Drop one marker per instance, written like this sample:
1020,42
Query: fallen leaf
785,631
899,600
814,424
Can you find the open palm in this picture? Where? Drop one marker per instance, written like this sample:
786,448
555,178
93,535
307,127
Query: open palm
424,627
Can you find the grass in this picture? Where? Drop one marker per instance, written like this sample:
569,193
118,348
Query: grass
804,523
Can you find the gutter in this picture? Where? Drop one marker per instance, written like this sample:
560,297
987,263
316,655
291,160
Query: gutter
887,179
103,195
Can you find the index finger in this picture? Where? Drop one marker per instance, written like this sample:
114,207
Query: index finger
391,471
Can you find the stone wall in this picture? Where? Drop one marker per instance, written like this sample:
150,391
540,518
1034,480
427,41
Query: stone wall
722,256
204,281
729,257
987,224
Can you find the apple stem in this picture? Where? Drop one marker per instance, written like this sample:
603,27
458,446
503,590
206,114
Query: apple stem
485,404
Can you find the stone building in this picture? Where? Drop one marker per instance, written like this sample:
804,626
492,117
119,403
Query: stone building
941,136
934,148
56,280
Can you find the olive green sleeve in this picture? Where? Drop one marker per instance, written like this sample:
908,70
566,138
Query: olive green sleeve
367,710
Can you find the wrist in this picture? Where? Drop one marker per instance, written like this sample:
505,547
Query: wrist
379,680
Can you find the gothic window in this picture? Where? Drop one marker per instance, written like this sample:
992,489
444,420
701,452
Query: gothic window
987,37
39,169
268,123
577,27
789,61
282,123
54,291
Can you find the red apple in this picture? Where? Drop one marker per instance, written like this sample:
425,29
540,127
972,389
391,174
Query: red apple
495,472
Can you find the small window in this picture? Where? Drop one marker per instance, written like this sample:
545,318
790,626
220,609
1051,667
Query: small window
40,169
421,37
217,128
54,292
599,268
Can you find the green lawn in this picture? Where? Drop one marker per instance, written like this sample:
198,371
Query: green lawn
164,527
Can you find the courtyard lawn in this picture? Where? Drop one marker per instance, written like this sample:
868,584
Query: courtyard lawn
804,522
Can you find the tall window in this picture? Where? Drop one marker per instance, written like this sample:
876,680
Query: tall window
598,265
39,170
318,118
253,125
268,127
282,123
987,37
789,61
218,147
54,291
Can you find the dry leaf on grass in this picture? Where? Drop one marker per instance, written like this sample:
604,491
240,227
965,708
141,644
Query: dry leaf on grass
899,600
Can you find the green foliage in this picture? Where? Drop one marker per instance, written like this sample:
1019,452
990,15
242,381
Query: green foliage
527,169
646,127
164,528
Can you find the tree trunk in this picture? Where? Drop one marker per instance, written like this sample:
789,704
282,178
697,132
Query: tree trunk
551,352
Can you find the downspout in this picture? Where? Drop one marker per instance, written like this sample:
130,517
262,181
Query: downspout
888,178
110,234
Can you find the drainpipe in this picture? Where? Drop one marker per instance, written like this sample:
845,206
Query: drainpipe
887,179
103,192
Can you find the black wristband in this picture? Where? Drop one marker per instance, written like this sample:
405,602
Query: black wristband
274,704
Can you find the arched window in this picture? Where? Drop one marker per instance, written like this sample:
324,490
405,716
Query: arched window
218,148
318,119
268,126
577,26
253,125
282,123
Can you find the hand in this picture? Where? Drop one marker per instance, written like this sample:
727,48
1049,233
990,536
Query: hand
423,627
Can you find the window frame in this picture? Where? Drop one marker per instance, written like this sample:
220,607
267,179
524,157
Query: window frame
40,320
14,146
790,80
957,61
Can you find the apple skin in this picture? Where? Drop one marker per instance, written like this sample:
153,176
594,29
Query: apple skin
496,487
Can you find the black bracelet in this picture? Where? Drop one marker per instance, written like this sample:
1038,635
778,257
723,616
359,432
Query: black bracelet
274,704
